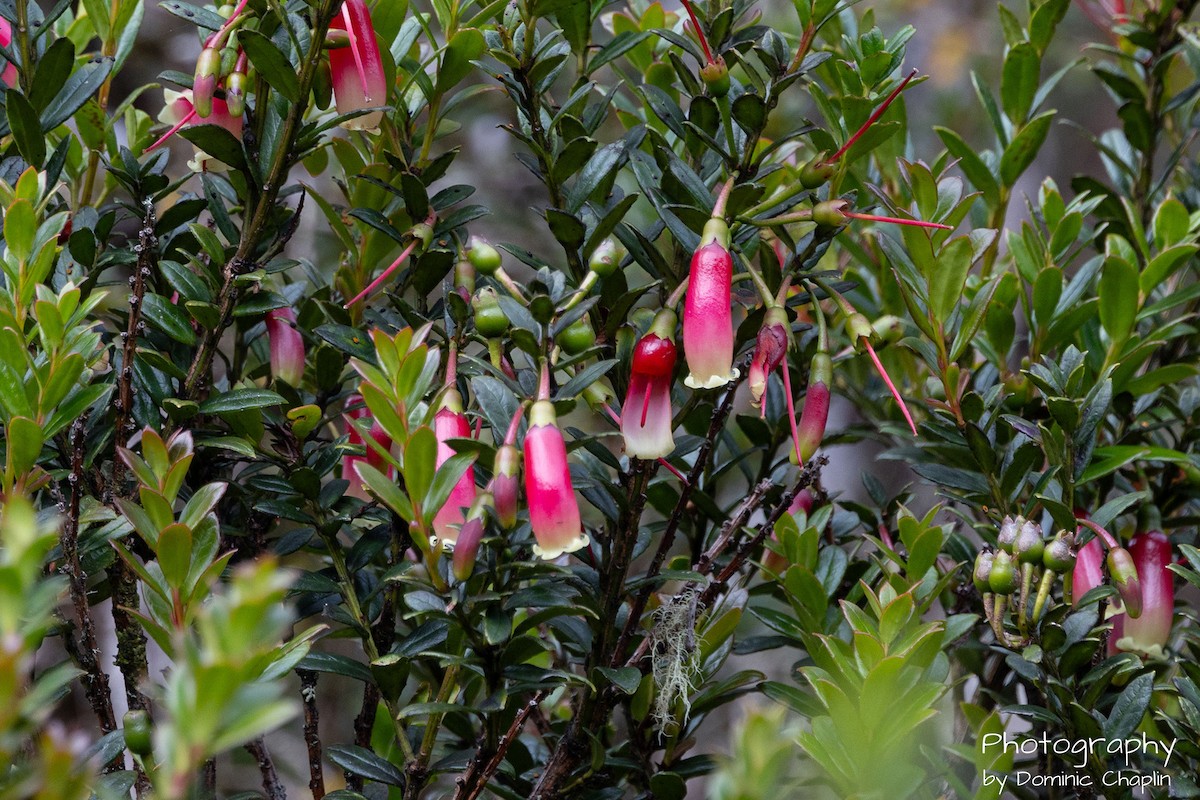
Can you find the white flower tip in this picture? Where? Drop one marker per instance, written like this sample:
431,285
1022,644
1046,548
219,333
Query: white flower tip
578,543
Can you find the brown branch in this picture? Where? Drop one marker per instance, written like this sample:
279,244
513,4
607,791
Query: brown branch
266,766
475,778
87,650
668,537
312,733
363,724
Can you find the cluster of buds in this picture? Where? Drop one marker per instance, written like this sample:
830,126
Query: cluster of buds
1005,577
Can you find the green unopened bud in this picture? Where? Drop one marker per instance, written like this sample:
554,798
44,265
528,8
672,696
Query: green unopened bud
136,724
322,86
716,77
816,172
577,337
1059,554
1125,578
235,93
1007,535
830,213
981,575
606,258
490,319
485,257
1003,577
1029,545
336,39
422,232
226,10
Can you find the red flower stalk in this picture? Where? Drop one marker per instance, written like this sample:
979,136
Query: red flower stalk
553,509
1150,632
357,70
356,410
708,311
835,213
646,416
451,423
287,346
9,75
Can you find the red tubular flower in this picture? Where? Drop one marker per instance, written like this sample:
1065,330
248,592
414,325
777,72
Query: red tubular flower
9,75
450,423
356,410
708,311
358,79
467,547
1089,569
811,429
646,417
287,346
1150,632
553,509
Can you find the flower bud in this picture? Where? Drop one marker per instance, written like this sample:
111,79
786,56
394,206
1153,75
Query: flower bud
607,257
464,277
646,416
716,77
816,172
287,346
466,548
485,257
811,428
577,337
1028,546
505,486
1059,554
830,213
490,319
770,350
204,84
235,93
982,573
136,725
1003,577
1006,537
1125,578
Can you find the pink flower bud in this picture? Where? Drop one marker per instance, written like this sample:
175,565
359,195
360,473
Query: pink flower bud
646,417
708,311
1150,632
450,423
467,547
357,70
553,509
204,84
356,410
287,346
769,353
811,429
506,487
9,75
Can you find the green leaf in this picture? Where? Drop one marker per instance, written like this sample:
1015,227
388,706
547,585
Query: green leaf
363,762
1118,292
1130,707
385,489
420,462
626,679
218,143
444,481
174,551
272,64
20,227
23,439
1019,81
1024,148
12,393
1044,21
466,46
948,278
971,164
240,400
53,70
78,89
168,318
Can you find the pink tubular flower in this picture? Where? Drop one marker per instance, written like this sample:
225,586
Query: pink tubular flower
450,423
358,79
708,311
646,418
356,410
9,75
1089,569
179,113
811,429
506,487
1150,632
553,509
770,352
287,346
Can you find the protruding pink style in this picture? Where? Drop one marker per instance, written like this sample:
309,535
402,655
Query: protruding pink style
708,311
357,70
553,509
451,423
646,416
287,346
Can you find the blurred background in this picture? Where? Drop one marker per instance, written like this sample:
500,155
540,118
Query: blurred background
952,39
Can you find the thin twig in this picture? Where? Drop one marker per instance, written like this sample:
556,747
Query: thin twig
475,779
266,766
312,733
